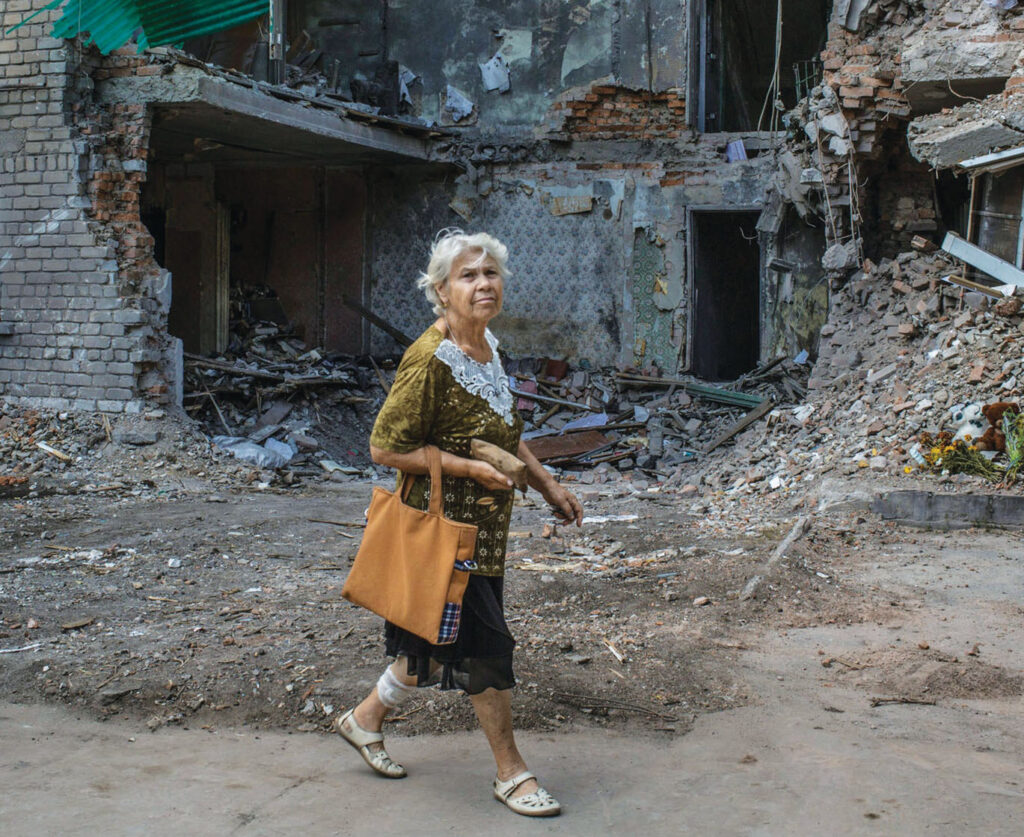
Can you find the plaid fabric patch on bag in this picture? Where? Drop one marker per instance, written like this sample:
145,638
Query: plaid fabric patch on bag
452,613
449,623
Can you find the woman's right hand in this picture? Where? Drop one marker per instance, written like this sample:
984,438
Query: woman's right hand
488,476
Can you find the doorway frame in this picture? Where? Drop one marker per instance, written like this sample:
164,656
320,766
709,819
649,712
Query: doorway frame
697,37
691,271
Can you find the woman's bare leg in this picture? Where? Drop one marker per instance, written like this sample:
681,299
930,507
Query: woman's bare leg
370,714
494,711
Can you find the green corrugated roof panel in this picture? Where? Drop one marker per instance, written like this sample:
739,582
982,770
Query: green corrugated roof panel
112,23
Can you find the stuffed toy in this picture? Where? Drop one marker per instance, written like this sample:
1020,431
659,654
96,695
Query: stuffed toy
969,420
992,438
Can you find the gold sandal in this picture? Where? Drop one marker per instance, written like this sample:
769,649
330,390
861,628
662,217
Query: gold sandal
347,727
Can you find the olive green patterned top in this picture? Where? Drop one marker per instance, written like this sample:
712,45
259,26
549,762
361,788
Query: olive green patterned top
443,397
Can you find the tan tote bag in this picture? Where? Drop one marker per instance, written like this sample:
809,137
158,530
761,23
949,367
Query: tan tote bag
405,569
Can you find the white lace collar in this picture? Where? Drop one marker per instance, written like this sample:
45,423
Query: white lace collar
487,380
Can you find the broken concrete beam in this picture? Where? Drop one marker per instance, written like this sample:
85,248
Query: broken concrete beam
945,140
984,261
950,511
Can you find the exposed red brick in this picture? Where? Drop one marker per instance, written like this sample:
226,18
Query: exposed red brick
610,112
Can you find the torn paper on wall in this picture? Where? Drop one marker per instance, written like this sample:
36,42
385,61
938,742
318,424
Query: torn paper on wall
405,78
495,74
456,104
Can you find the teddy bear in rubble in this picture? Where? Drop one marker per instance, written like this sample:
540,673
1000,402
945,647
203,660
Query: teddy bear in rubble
969,420
993,438
982,425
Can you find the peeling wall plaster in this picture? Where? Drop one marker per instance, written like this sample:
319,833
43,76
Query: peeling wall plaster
549,45
598,254
563,296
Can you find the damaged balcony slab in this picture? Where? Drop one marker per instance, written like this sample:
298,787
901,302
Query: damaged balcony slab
950,511
945,140
941,69
230,118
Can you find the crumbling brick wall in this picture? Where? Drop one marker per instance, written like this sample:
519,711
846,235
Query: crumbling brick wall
72,332
610,111
866,182
873,72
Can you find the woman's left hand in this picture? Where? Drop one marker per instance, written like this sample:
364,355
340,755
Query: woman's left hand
565,504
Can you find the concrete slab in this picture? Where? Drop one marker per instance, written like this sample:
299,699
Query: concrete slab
942,141
950,511
757,771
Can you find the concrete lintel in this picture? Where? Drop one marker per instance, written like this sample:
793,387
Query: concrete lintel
331,125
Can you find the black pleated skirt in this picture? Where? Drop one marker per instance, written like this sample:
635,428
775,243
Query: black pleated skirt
481,656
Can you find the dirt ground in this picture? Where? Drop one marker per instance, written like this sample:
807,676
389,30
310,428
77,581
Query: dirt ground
206,606
870,684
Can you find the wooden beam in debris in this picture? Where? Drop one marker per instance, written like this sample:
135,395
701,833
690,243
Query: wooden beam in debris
404,340
259,374
983,260
569,445
722,396
994,293
200,361
742,424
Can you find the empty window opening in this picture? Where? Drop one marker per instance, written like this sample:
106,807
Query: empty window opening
725,268
734,48
997,215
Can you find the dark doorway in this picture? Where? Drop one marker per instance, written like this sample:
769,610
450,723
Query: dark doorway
725,276
734,58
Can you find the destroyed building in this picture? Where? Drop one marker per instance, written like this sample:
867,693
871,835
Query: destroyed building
681,185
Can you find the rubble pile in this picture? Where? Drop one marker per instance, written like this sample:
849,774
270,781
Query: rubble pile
901,354
580,420
309,411
46,451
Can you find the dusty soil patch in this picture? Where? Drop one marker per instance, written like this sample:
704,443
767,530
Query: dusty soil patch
224,606
197,603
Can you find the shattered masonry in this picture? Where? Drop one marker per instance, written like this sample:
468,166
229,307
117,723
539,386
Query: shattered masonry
146,198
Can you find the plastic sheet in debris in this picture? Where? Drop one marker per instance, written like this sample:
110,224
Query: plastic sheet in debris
271,454
586,422
611,518
735,151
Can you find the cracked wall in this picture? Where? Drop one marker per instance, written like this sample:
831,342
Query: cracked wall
76,296
508,58
598,247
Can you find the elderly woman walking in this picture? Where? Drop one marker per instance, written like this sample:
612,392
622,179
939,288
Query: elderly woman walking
451,388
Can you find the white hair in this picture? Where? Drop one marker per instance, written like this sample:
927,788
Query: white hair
449,245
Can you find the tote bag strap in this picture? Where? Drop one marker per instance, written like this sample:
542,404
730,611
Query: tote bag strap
434,463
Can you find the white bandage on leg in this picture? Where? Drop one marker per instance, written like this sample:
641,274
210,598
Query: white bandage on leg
392,691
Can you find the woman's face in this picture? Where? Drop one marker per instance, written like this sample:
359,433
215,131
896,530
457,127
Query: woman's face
473,289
